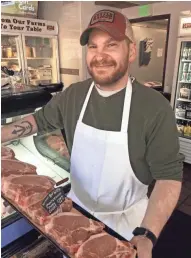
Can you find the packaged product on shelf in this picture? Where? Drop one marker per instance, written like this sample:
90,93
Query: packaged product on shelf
184,92
180,127
188,114
180,110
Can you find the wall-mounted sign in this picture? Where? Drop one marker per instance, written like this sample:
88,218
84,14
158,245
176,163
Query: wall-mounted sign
185,26
28,25
144,10
20,8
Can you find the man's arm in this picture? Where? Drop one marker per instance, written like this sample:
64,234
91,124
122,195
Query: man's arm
161,204
166,165
21,128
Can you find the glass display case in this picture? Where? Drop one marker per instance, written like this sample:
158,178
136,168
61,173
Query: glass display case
181,90
36,150
11,52
183,94
41,59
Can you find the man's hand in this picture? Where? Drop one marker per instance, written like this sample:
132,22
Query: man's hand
144,246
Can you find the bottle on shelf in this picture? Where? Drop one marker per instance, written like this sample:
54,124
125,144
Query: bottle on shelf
189,53
186,131
189,67
179,127
190,129
185,67
185,53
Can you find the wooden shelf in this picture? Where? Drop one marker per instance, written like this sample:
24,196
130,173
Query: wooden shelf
38,58
11,58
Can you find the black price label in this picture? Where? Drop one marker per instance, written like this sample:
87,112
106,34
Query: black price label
53,200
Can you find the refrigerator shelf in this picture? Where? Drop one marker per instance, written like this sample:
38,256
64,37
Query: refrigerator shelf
186,61
184,82
181,118
9,58
185,100
185,137
39,58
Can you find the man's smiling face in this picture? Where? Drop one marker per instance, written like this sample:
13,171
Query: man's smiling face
107,59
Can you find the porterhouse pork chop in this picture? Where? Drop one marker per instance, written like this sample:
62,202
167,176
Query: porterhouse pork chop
70,230
39,215
27,189
7,153
15,167
105,246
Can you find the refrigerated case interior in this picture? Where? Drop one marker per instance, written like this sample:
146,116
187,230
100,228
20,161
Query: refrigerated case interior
35,56
40,56
183,94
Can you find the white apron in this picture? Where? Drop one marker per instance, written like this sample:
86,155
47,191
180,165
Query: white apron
102,179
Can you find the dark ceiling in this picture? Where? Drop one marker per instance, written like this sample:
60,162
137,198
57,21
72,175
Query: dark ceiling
124,4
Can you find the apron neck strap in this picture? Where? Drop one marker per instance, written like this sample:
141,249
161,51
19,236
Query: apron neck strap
86,102
126,107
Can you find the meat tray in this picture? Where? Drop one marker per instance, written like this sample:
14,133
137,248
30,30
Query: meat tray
49,153
77,207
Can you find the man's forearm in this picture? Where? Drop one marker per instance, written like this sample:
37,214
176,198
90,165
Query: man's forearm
162,202
21,128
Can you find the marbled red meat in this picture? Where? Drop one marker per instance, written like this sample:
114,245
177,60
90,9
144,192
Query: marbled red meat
105,246
27,189
70,230
15,167
7,153
39,215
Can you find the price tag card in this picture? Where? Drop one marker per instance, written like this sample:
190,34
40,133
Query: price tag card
53,200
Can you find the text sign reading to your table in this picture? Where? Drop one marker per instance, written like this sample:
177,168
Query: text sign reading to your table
28,25
53,200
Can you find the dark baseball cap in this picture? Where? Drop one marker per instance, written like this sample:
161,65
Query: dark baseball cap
113,22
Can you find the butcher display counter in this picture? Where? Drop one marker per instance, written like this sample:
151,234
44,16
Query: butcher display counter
36,150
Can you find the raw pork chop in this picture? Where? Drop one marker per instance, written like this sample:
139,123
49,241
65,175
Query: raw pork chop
105,246
7,153
70,230
41,216
15,167
26,190
58,144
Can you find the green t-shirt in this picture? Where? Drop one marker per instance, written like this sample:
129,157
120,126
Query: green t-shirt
152,133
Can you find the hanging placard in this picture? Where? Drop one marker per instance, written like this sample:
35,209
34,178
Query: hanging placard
53,200
28,25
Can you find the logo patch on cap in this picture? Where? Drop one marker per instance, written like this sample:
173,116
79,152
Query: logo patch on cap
102,16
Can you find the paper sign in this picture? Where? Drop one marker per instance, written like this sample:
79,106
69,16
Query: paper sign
159,52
